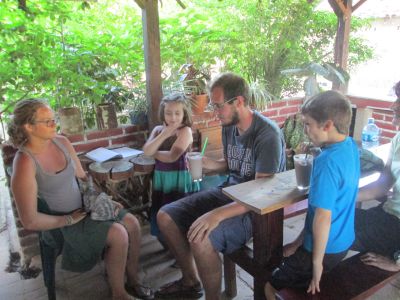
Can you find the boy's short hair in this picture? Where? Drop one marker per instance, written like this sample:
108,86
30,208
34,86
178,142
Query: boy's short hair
329,105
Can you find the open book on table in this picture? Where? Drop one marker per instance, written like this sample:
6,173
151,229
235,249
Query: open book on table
103,154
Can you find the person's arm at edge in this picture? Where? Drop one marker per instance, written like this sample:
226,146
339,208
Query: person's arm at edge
321,227
378,188
24,189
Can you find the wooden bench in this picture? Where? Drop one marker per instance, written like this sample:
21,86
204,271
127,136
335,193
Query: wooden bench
351,279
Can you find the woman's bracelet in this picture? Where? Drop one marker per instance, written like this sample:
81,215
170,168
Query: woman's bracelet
69,220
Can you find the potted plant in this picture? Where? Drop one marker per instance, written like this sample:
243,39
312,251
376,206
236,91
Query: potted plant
193,83
137,106
260,97
329,71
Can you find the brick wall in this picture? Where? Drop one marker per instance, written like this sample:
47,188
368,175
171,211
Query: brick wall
135,136
279,111
126,135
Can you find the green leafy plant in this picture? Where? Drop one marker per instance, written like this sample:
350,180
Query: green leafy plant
68,53
311,70
191,81
260,97
136,104
194,80
74,54
257,41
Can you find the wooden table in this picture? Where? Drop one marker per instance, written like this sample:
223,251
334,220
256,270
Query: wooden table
122,180
266,199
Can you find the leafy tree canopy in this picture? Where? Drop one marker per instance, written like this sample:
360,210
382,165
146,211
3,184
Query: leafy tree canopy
255,38
78,52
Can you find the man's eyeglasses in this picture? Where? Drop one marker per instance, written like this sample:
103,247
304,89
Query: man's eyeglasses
217,106
49,123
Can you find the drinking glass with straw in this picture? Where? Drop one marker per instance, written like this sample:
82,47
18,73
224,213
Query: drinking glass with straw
195,163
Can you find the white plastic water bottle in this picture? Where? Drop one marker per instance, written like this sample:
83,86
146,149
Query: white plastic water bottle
370,134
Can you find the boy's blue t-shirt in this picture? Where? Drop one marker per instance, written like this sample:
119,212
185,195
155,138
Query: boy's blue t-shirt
334,186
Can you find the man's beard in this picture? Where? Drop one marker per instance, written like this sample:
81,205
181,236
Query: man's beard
234,121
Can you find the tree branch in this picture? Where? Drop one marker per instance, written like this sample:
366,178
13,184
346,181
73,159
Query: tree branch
335,7
181,4
358,4
22,5
140,3
341,6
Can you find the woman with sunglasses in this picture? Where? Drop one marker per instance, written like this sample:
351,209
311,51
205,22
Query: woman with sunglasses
46,167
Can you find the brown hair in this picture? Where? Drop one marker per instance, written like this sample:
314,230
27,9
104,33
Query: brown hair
176,98
233,85
329,105
24,113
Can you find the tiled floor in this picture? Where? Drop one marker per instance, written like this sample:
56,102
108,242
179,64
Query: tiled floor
156,270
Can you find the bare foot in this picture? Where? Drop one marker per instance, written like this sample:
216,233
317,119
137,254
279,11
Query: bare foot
380,261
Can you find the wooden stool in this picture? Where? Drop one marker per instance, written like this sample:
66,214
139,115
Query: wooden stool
120,180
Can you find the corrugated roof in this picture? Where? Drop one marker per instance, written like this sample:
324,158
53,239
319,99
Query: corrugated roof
371,8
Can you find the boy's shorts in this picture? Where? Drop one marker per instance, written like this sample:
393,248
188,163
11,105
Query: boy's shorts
230,235
296,270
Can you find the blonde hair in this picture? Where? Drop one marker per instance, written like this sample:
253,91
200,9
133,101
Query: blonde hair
24,113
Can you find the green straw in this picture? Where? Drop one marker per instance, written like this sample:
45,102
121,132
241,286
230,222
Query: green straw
204,145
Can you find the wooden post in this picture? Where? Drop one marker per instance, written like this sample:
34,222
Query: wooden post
151,41
343,10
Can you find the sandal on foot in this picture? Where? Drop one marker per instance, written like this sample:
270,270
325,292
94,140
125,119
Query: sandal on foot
177,289
140,291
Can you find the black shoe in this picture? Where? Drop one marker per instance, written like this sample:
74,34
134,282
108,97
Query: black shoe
176,290
140,291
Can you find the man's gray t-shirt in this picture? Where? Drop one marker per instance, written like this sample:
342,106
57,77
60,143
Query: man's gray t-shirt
260,149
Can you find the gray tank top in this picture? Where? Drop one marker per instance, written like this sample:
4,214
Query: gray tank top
61,190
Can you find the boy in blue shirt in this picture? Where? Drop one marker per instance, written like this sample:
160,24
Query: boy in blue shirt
329,227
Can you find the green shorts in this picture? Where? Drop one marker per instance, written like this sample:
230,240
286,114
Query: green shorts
84,242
